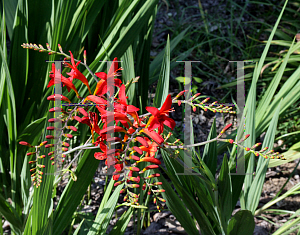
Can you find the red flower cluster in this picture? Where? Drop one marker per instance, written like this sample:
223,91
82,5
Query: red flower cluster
138,138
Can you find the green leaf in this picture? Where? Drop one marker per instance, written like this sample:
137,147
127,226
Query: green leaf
162,90
241,223
225,191
210,155
120,227
176,206
199,80
10,215
76,232
155,64
103,216
74,191
262,166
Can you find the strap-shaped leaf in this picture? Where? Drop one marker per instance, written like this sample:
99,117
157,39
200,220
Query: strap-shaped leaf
262,166
162,90
103,218
74,191
225,191
122,223
210,156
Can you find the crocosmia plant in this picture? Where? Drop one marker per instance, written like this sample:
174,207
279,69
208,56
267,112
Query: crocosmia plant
126,141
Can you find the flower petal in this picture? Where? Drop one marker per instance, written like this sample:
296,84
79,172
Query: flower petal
167,104
96,99
154,111
153,135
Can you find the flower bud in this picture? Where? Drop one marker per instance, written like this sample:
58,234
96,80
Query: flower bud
49,145
56,109
78,119
225,129
159,191
118,183
179,102
204,101
264,149
58,97
133,157
73,128
196,95
161,199
30,153
135,179
65,144
49,137
137,149
150,159
256,145
83,112
133,185
68,136
60,48
25,143
153,175
132,168
243,139
179,94
142,141
51,120
84,56
148,167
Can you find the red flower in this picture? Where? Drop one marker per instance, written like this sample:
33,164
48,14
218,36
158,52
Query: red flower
107,153
118,167
123,107
160,117
92,122
117,116
151,149
76,74
55,75
102,87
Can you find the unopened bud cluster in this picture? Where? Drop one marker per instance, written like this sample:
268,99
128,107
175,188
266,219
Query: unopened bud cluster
214,107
